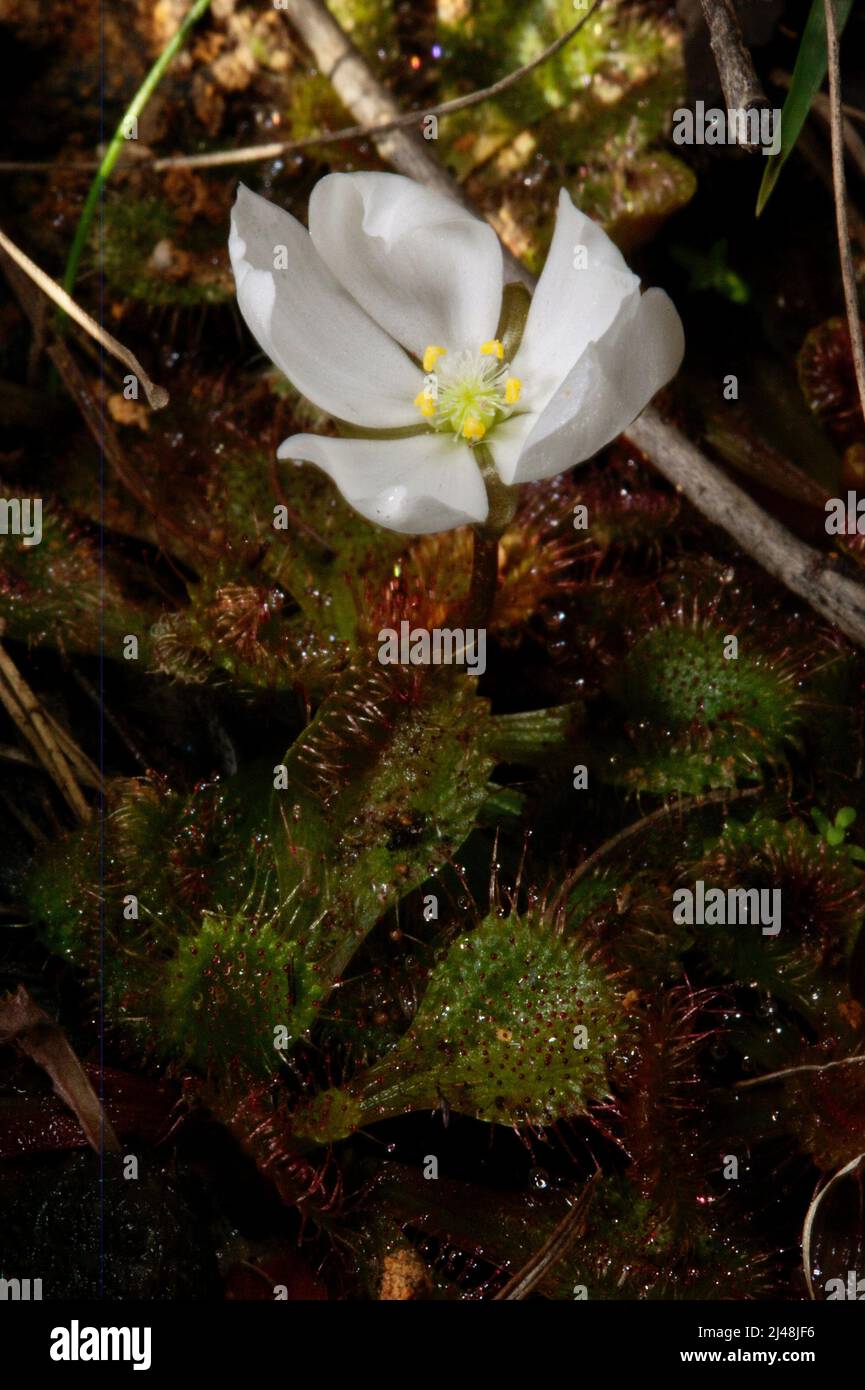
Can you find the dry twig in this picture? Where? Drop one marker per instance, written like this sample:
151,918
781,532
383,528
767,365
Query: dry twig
41,732
276,149
848,275
740,83
157,396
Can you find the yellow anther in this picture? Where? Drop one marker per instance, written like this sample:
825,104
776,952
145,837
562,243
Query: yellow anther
473,428
431,355
492,349
425,403
513,387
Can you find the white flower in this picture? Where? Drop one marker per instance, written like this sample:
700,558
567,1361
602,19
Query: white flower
385,314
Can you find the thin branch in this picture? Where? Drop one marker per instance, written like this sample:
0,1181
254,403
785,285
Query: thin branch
797,1071
157,396
803,570
39,730
741,85
848,275
276,149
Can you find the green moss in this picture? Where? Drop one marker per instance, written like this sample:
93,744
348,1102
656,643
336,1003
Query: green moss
606,98
134,228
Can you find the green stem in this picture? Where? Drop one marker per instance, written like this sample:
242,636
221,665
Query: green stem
485,556
118,139
482,586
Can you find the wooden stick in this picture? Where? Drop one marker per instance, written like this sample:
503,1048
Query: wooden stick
157,396
848,274
740,83
803,570
276,148
24,709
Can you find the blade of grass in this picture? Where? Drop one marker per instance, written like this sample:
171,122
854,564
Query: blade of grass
808,75
118,139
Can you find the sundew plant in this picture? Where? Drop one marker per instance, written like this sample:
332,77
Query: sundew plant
432,604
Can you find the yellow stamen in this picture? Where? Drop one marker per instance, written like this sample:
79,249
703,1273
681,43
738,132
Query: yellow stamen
473,428
492,349
431,356
513,387
425,403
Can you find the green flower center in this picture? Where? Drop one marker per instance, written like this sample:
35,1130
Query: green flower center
467,392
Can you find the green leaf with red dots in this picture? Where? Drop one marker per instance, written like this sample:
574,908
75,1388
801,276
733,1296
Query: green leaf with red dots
517,1026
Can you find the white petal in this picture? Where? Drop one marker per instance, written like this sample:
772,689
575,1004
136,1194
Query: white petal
606,390
428,482
310,327
507,441
423,267
572,306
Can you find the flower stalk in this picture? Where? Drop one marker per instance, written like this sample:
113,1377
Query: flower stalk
485,553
